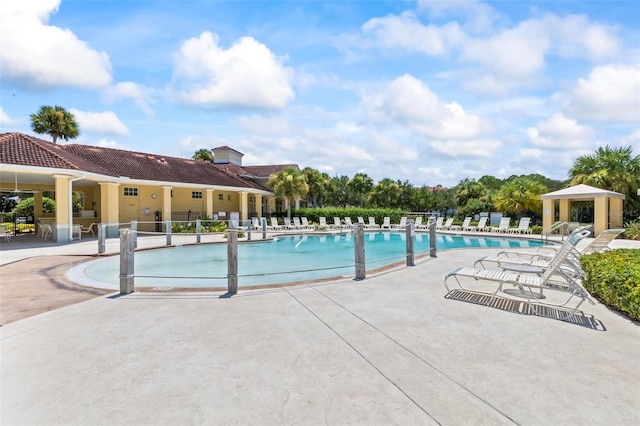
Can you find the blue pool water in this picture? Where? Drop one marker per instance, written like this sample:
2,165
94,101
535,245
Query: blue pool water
286,259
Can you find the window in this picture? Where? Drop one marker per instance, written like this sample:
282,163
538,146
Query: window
229,197
130,192
196,194
220,197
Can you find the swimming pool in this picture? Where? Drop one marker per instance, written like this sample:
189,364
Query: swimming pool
283,260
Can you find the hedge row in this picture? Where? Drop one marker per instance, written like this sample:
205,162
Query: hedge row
614,278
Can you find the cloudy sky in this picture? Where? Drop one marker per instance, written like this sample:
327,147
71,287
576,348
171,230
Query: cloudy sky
428,91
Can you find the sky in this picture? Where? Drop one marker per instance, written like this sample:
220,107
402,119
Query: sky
430,92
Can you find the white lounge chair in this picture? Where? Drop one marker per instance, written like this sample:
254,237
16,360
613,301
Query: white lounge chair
481,226
322,222
336,223
386,223
347,222
372,223
274,225
523,226
543,255
465,224
306,224
402,224
288,225
447,224
361,220
419,225
526,283
439,222
503,227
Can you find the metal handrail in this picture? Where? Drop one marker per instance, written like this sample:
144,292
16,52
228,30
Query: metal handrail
544,235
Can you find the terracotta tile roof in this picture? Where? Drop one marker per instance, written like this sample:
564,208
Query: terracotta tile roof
21,149
140,165
18,148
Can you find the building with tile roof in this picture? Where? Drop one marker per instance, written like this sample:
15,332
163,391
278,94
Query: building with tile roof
119,186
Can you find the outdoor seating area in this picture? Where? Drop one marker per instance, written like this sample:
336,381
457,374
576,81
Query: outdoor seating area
536,278
340,224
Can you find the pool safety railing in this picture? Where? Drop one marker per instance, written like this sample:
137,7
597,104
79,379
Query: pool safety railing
559,228
128,238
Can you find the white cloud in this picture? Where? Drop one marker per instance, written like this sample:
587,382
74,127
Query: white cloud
40,55
407,32
478,17
514,53
247,74
108,144
611,92
486,148
5,120
409,101
99,122
517,56
632,139
384,146
577,36
274,126
560,133
141,95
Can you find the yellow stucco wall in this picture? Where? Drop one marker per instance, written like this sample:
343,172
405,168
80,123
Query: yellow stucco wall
615,213
548,213
600,217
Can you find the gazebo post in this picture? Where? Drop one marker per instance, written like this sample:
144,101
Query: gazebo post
548,213
600,211
615,213
565,210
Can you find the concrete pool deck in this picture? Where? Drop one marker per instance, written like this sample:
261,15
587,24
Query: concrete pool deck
386,350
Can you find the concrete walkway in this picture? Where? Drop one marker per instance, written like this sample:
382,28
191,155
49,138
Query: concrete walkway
387,350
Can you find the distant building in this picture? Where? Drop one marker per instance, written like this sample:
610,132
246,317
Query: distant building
118,186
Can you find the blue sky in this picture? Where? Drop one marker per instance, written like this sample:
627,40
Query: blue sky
428,91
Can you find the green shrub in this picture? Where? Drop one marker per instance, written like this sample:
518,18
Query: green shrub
536,229
25,207
614,278
632,230
205,226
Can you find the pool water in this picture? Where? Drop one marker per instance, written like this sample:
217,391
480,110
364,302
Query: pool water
285,259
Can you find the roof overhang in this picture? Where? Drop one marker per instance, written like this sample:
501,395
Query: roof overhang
581,192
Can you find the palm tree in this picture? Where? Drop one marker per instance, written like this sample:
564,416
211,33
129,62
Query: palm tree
203,154
385,194
360,185
338,191
614,169
520,195
318,183
56,122
289,183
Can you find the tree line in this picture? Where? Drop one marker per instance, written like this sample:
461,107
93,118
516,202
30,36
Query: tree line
614,169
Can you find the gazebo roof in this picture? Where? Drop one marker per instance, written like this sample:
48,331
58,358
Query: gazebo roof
581,192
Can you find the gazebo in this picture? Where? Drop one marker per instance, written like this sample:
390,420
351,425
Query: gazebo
607,206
